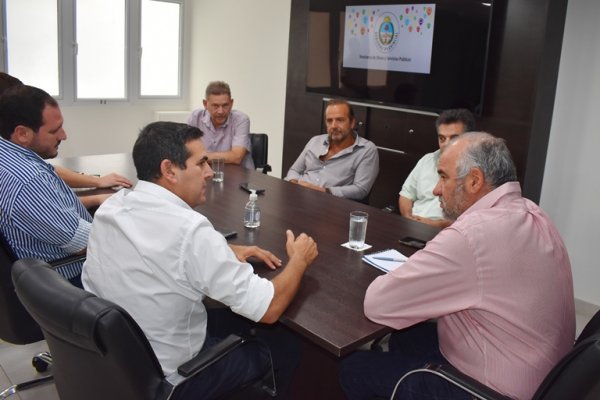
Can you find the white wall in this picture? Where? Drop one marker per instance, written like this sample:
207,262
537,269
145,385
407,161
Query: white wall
244,43
102,129
571,189
113,127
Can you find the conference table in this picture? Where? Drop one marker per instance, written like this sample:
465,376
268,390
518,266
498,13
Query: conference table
328,308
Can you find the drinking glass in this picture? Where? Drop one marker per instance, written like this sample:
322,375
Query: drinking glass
358,229
217,167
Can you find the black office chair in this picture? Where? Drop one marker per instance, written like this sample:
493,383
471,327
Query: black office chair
98,350
16,325
259,143
576,376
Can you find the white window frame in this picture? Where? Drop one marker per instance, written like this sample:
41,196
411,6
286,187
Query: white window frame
67,57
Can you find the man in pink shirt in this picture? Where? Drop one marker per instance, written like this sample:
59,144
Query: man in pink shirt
498,281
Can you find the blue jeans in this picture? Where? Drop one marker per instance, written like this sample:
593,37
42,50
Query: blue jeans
246,364
374,374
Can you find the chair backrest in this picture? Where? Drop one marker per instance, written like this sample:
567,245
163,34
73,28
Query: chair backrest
577,375
592,327
16,325
98,350
259,143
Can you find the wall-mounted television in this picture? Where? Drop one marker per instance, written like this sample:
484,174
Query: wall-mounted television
424,55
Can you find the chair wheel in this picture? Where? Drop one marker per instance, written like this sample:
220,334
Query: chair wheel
39,364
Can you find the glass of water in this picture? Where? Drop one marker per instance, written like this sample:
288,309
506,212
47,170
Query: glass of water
358,229
217,166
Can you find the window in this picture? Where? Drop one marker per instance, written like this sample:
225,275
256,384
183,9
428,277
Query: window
32,54
160,48
83,50
100,52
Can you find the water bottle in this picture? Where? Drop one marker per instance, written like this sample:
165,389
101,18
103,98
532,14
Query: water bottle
252,212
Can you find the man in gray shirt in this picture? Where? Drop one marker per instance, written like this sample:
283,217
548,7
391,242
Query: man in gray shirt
340,162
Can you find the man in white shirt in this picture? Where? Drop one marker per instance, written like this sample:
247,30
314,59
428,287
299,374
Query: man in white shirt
416,200
154,255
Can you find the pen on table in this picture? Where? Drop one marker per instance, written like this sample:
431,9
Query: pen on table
389,259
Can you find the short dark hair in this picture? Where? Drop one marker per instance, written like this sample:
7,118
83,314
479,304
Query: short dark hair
8,81
23,105
217,88
337,102
456,115
160,141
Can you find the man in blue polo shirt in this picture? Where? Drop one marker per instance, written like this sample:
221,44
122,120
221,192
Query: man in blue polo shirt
40,216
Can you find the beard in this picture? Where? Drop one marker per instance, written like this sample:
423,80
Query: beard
457,206
45,153
338,136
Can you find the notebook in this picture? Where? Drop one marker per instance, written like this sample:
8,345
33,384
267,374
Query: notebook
386,260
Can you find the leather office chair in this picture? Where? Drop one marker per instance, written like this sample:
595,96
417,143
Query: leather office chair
16,325
576,376
98,350
259,143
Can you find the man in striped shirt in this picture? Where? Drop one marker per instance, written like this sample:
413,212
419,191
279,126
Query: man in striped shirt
40,216
72,178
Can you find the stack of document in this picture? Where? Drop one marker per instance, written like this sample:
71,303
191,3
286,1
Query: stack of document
386,260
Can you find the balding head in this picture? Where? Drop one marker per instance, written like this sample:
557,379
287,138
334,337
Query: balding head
489,154
471,166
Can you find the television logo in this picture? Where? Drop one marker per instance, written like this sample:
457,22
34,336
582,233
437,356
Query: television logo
389,37
386,32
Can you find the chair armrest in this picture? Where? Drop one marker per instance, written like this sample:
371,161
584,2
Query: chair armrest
208,357
61,262
457,378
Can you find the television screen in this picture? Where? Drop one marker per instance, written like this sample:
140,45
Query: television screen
389,38
426,55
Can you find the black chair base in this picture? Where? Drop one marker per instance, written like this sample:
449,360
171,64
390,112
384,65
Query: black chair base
41,361
25,385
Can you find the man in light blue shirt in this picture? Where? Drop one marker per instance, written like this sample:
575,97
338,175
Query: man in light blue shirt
340,162
226,131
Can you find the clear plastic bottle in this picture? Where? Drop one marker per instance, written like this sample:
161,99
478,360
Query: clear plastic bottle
252,212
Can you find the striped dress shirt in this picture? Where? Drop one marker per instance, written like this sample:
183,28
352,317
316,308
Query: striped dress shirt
40,216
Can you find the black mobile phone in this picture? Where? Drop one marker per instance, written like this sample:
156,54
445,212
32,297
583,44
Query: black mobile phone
412,242
228,234
249,188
